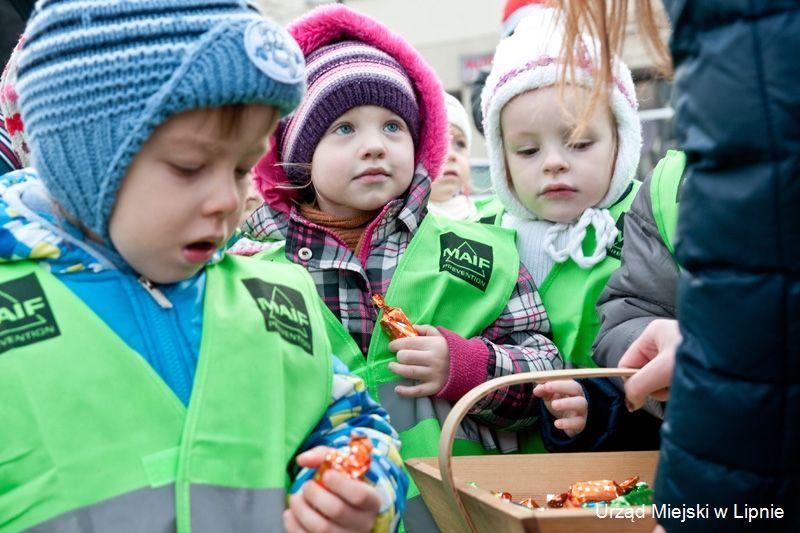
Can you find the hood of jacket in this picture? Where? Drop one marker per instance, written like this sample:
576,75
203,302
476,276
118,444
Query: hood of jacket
30,231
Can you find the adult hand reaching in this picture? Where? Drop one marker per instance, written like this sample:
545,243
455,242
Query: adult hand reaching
654,353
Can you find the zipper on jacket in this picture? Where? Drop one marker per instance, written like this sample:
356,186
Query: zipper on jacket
157,295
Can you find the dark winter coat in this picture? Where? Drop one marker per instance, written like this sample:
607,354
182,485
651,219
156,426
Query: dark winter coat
732,429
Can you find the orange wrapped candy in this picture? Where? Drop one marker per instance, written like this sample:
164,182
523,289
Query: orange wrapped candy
603,490
530,503
353,463
394,321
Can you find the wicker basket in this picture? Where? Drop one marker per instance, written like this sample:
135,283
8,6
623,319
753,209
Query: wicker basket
458,506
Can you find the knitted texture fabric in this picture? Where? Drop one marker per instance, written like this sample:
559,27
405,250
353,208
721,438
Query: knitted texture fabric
96,77
340,77
528,60
349,229
531,237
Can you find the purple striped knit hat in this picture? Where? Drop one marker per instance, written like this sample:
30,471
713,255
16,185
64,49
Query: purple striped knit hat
343,76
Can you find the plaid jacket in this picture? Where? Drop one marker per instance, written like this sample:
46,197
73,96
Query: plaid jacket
517,338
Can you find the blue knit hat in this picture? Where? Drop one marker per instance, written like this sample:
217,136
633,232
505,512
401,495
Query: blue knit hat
96,77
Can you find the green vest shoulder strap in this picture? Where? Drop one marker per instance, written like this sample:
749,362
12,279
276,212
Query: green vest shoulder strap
490,211
90,432
276,253
569,293
665,192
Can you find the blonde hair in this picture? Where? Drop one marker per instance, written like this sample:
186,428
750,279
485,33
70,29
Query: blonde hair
605,21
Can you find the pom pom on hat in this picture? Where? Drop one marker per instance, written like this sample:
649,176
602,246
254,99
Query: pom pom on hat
514,11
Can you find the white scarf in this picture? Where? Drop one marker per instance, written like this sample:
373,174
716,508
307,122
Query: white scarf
542,243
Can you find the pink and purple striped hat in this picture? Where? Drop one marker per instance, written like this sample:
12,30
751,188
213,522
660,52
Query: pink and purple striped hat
343,76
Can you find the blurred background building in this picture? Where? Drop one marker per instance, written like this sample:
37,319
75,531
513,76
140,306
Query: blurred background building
458,38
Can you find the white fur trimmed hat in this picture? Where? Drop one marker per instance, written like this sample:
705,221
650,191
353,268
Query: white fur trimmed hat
529,59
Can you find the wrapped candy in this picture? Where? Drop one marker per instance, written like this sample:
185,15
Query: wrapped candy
641,494
604,490
505,496
530,503
394,321
353,463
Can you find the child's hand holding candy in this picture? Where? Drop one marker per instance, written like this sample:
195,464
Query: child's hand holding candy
337,499
424,358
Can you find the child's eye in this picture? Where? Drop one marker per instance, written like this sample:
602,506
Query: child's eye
392,127
461,145
186,170
580,145
527,152
343,129
242,173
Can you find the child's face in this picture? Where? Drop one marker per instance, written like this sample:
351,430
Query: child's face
456,166
555,179
364,160
184,192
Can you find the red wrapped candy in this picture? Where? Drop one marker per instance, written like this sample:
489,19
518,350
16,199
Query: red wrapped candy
394,321
602,490
353,463
505,496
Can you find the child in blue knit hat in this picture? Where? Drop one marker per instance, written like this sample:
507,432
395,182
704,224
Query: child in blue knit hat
148,381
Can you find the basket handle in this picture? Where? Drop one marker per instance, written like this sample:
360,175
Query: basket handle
460,409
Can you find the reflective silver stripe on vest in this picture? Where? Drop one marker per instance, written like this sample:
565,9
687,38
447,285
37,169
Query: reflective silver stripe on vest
151,510
216,509
405,413
417,518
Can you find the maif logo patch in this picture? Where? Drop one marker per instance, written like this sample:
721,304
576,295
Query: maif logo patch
25,315
284,311
469,260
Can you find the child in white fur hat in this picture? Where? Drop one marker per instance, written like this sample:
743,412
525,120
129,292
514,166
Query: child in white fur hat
564,188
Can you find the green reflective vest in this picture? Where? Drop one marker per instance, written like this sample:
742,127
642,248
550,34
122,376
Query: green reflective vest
457,275
490,210
569,293
94,440
665,189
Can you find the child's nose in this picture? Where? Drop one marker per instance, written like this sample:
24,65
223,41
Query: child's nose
555,162
223,199
372,146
